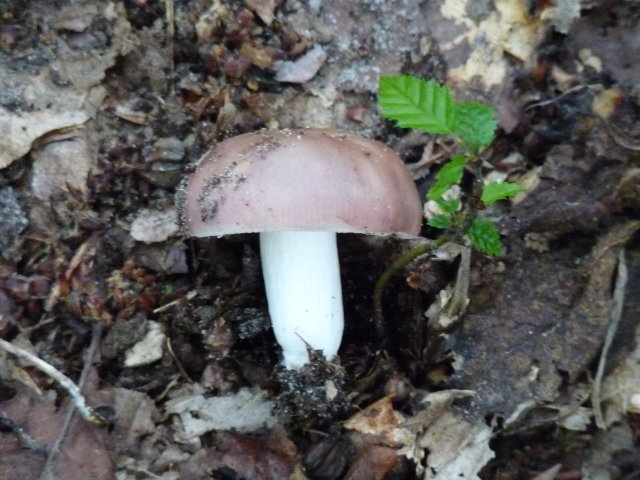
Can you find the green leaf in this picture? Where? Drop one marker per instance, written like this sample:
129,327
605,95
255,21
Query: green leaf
449,206
416,103
494,191
450,173
440,221
474,124
485,236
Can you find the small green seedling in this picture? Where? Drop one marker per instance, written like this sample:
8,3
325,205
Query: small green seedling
430,107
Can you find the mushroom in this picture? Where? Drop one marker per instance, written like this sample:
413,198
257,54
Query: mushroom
297,189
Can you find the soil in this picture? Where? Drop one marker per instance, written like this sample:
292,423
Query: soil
524,365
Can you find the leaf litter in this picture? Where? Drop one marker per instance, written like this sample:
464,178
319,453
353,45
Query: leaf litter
108,102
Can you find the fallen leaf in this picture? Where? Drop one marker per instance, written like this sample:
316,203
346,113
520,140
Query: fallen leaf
134,414
85,449
265,9
60,166
267,457
245,411
456,448
152,226
149,349
372,463
452,446
376,419
64,94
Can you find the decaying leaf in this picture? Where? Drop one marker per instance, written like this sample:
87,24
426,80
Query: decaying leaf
620,391
64,109
147,350
61,165
378,418
152,226
86,450
379,439
135,416
454,447
562,14
265,457
64,94
265,9
457,448
373,463
606,445
452,302
245,411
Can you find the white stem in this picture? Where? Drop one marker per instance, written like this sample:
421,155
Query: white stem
302,279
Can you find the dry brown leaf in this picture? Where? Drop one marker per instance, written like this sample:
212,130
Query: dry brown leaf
60,166
85,450
456,448
378,418
256,457
245,411
265,9
373,463
152,226
134,414
66,93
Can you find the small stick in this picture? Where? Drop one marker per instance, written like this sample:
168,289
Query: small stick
23,436
177,361
65,382
615,316
189,296
47,470
549,101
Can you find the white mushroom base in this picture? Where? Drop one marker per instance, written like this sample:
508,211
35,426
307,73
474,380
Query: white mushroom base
302,280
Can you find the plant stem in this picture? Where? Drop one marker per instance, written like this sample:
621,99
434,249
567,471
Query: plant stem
383,280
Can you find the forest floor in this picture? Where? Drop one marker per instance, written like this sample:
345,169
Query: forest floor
104,104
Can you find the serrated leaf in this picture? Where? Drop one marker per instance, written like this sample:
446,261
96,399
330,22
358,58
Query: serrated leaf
494,191
449,206
440,221
416,103
475,124
449,174
485,236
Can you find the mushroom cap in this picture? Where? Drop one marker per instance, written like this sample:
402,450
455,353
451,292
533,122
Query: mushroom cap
302,179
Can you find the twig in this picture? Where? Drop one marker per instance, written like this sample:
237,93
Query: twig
23,436
615,316
64,381
96,335
459,301
189,296
549,101
177,361
427,160
86,249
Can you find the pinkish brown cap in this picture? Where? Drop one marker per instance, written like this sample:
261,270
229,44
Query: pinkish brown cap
303,179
